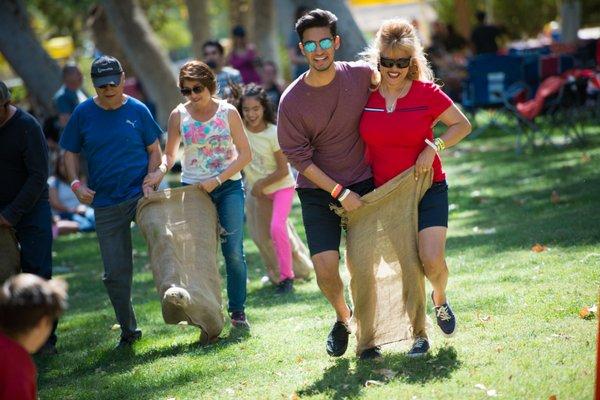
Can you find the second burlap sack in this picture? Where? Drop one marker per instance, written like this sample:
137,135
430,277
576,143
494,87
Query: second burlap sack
181,230
258,218
387,279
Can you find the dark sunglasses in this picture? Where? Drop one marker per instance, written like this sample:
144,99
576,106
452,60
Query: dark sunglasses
311,45
196,89
390,62
112,85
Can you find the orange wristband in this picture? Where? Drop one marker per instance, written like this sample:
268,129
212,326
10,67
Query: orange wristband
337,189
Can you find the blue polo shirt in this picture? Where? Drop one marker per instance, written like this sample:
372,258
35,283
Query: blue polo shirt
114,143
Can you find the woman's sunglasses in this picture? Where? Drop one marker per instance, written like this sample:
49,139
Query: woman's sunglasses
390,62
196,89
311,46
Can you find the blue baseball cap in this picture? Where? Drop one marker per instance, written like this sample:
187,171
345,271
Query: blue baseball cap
106,70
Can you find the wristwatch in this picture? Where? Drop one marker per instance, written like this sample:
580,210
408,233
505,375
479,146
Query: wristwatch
162,168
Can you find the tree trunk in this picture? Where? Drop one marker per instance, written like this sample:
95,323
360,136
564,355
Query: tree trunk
105,39
21,48
148,58
463,21
239,14
265,29
353,41
199,24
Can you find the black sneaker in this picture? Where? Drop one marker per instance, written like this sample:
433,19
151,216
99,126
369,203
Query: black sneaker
238,320
445,318
371,354
285,286
419,348
337,341
127,341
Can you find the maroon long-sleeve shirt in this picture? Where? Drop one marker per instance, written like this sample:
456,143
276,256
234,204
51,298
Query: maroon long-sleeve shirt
319,125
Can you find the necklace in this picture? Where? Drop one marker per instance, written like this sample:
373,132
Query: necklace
391,107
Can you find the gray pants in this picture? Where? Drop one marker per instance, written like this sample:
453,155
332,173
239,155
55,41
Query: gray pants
113,227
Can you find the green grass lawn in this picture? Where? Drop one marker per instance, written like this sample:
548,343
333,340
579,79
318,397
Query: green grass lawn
519,332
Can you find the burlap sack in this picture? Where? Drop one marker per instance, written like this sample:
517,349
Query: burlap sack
10,257
181,230
387,280
258,219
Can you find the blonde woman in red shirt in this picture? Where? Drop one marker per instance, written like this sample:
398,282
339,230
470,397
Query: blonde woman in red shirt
397,128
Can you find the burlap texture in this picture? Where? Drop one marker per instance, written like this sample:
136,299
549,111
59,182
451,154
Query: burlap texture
10,257
258,219
181,230
387,279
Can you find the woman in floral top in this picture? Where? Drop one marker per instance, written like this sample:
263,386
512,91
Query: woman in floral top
215,149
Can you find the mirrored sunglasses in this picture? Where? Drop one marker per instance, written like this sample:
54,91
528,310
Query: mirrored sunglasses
311,45
188,91
390,62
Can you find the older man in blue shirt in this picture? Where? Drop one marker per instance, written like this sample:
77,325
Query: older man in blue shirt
119,138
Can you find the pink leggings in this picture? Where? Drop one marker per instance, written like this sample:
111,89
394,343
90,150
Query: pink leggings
282,205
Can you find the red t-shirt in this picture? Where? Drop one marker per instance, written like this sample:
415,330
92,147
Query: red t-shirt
393,141
17,371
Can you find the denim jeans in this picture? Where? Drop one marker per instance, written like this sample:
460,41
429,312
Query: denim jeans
229,200
113,227
34,234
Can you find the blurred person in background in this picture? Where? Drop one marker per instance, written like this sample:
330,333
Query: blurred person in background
214,57
243,56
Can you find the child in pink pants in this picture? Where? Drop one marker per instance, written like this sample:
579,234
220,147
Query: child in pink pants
269,174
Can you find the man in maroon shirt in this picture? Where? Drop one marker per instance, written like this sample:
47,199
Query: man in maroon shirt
28,307
318,132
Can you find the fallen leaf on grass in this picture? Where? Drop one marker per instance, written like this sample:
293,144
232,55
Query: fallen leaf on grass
538,248
499,349
555,197
585,158
588,312
489,392
561,336
294,396
388,373
372,382
484,317
299,359
553,397
115,327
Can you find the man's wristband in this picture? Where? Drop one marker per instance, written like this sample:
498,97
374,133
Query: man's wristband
162,168
337,189
440,144
218,180
344,195
75,185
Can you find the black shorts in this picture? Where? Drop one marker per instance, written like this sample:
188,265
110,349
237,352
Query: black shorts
433,208
322,225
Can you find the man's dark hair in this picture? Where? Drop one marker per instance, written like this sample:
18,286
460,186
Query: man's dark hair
317,18
480,15
213,43
70,68
26,298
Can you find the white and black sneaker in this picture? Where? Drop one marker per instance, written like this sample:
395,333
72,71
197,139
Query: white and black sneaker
419,348
445,318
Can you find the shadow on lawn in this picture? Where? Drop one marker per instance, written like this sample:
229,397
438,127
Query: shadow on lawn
340,381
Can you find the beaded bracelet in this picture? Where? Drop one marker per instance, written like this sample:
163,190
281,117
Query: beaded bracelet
75,185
